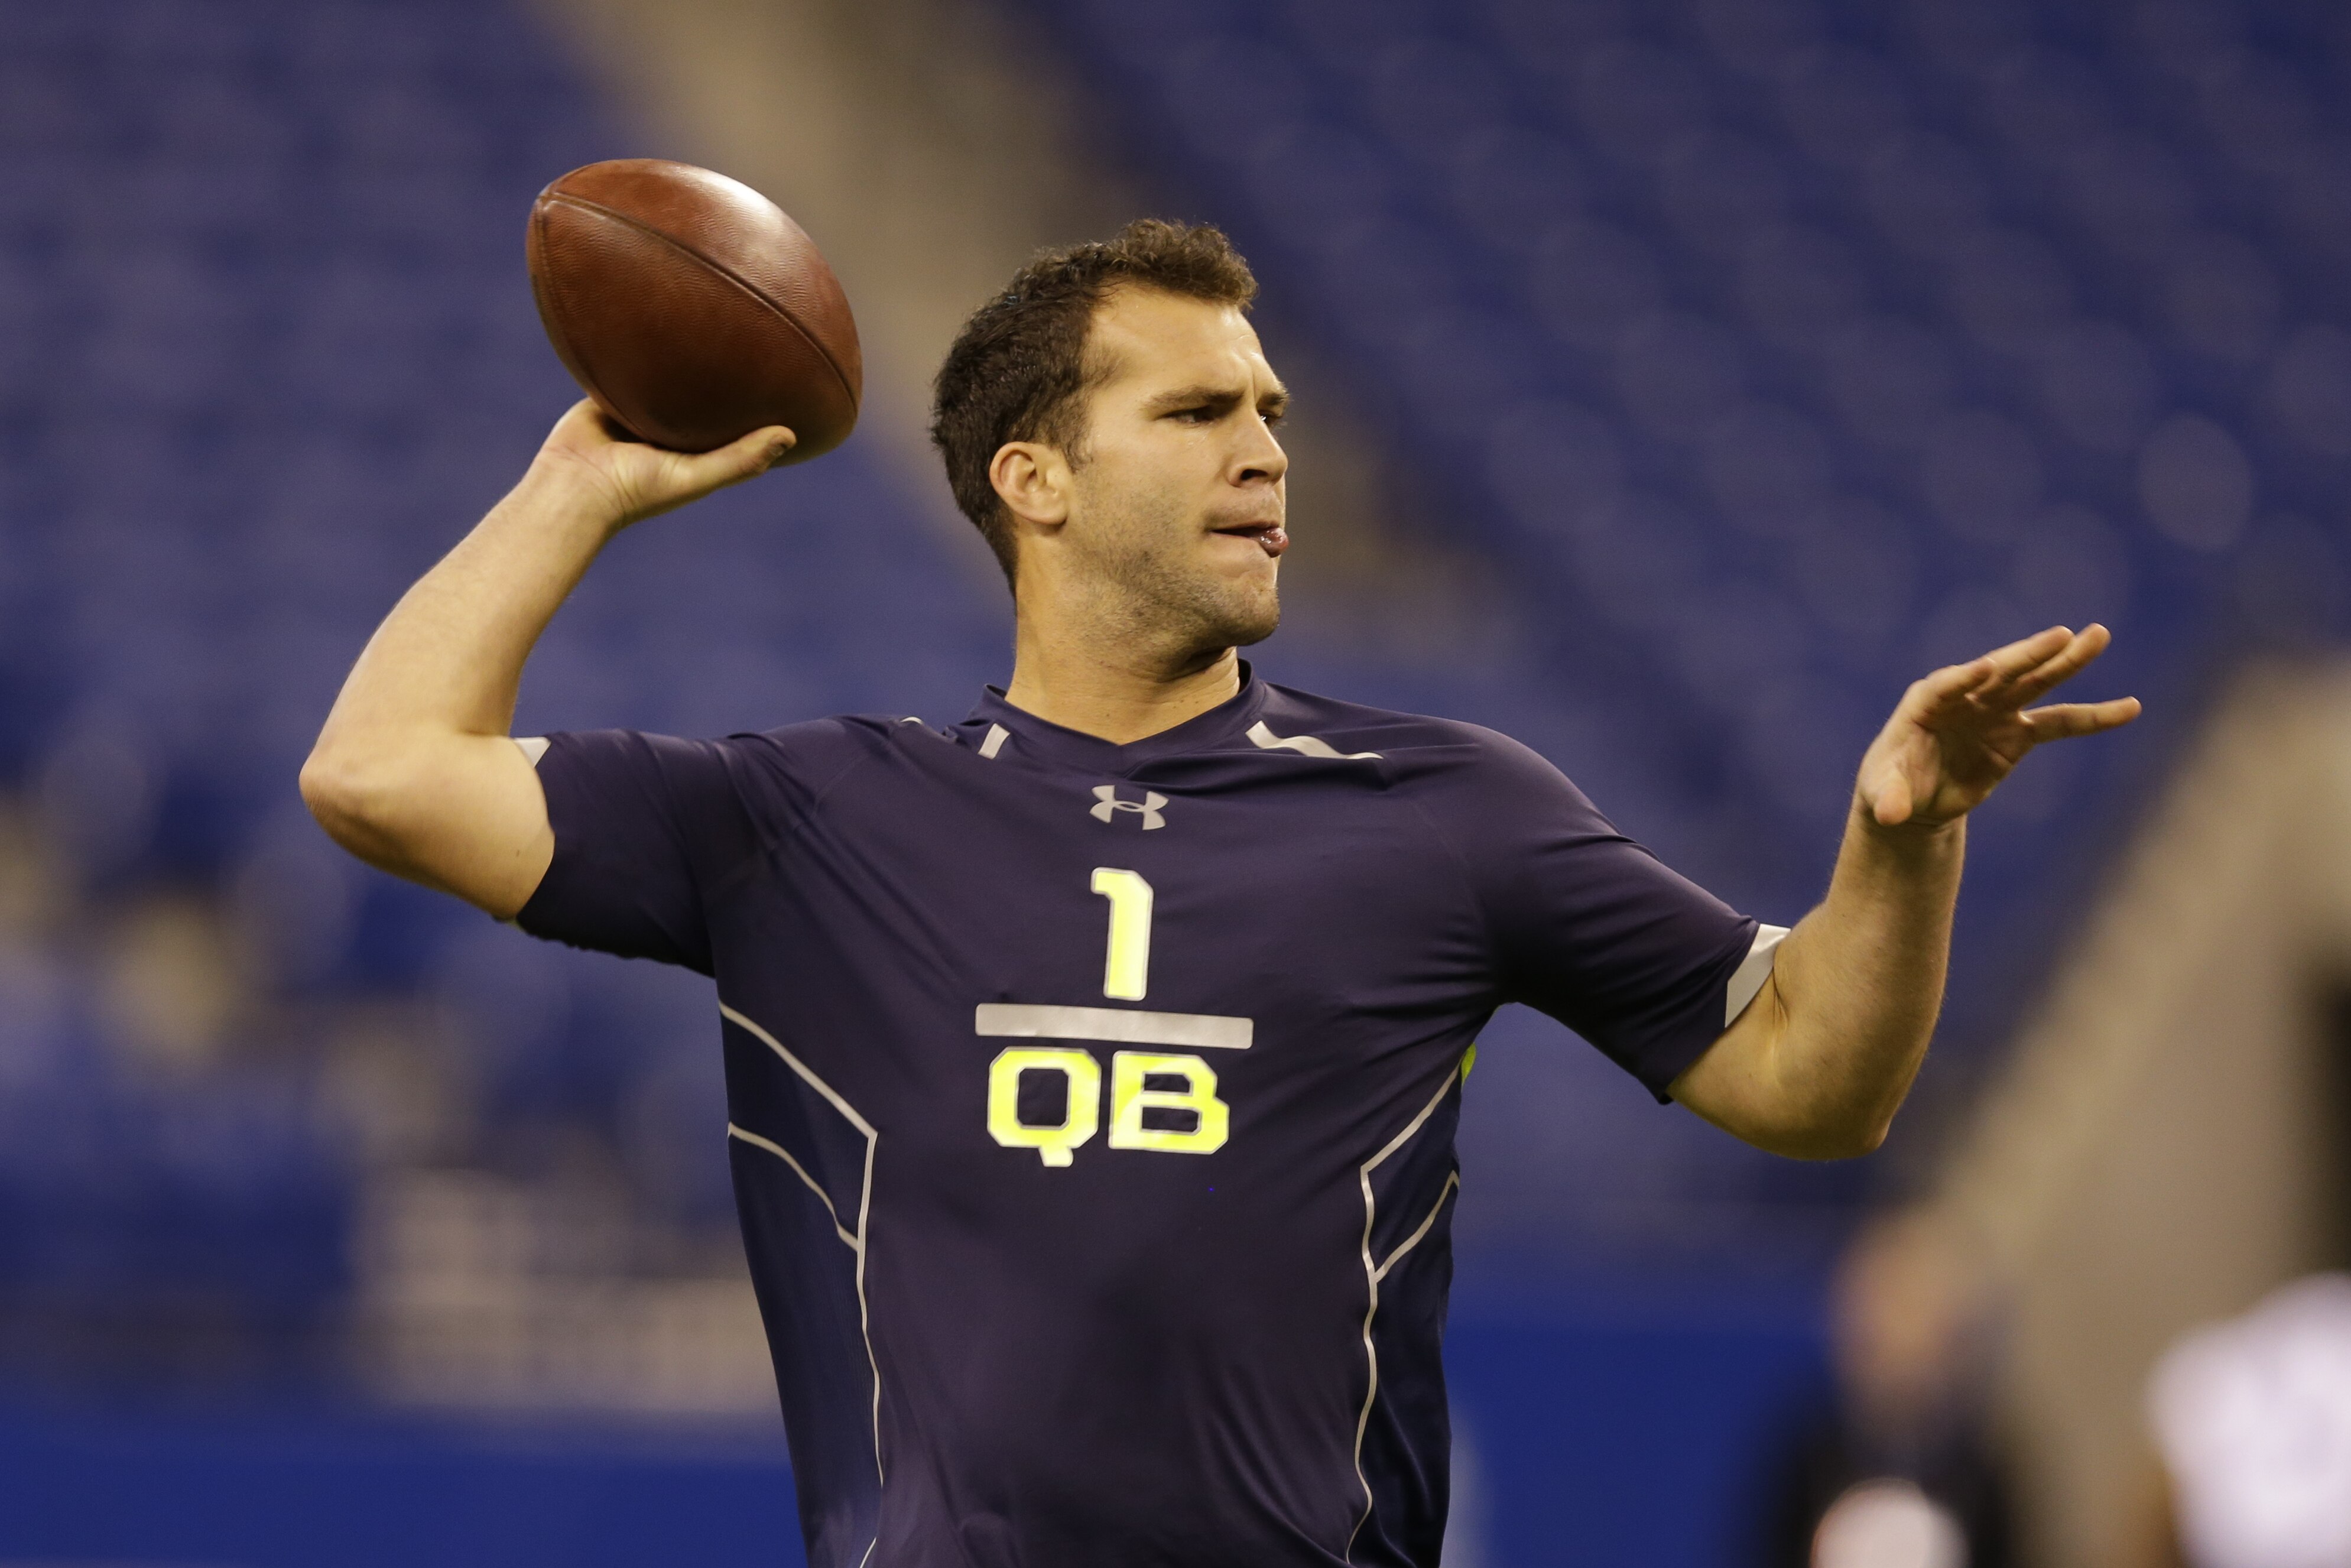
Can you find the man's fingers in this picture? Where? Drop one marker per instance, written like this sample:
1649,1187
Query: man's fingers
1943,688
1984,676
748,458
2061,721
775,442
2022,658
2061,666
2009,677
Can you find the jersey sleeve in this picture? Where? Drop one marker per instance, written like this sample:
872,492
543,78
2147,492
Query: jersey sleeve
1593,929
644,824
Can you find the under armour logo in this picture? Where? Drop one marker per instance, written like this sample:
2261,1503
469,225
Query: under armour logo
1107,806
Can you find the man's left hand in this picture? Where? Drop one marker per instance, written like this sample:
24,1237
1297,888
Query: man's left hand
1960,731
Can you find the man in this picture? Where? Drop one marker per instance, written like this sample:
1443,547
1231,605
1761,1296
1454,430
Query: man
1902,1465
1093,1064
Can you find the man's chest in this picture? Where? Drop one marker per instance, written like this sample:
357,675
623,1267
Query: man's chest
1279,897
1162,983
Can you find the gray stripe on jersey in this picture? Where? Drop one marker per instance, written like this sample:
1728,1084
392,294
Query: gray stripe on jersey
1754,971
1116,1026
1305,746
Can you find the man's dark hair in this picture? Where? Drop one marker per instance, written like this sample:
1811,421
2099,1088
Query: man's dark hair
1019,372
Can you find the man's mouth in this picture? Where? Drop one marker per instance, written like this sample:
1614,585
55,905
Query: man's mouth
1272,537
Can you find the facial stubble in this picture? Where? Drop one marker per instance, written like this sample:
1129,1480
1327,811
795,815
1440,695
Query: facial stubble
1157,592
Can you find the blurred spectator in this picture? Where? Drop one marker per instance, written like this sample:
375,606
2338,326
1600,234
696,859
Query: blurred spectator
2253,1422
1901,1471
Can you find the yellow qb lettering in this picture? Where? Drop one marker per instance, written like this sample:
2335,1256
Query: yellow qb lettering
1130,1097
1082,1107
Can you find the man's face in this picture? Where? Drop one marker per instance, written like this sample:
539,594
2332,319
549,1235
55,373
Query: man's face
1178,507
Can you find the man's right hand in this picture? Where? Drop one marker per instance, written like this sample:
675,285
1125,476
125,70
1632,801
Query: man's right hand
625,481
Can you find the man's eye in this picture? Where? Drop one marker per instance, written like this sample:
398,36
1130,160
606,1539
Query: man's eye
1201,415
1273,417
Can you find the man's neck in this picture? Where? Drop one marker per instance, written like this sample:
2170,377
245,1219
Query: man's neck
1115,700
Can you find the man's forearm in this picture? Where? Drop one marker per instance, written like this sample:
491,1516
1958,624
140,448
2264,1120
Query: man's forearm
1859,982
450,656
411,772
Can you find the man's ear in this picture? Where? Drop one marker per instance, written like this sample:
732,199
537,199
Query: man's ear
1032,479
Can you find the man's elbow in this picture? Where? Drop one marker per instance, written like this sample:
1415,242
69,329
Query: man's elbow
1837,1139
1799,1131
1815,1115
1808,1128
354,798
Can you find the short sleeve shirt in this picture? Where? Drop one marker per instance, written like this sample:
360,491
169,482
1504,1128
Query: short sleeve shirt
1091,1106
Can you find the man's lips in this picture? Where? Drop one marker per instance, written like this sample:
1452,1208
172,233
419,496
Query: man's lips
1272,537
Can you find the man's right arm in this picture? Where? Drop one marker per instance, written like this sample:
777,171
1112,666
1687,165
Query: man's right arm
415,771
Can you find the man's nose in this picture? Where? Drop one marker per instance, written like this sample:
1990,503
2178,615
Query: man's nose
1261,457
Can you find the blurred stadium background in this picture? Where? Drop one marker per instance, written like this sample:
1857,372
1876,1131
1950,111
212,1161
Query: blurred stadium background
1680,379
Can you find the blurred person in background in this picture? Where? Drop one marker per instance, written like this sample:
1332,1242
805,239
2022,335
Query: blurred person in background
1901,1471
2252,1420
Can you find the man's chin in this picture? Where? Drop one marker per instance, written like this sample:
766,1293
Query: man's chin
1245,626
1258,629
1208,613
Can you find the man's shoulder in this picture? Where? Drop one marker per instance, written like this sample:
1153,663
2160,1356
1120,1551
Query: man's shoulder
800,761
834,733
1415,746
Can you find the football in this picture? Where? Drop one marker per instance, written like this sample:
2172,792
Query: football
691,309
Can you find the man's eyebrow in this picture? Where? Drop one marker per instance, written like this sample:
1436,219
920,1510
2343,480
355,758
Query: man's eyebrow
1275,397
1193,397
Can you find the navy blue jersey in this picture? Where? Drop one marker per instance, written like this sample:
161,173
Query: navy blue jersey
1093,1106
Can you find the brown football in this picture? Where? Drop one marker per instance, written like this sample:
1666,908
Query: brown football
691,309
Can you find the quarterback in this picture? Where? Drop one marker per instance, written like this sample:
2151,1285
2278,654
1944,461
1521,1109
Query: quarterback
1093,1064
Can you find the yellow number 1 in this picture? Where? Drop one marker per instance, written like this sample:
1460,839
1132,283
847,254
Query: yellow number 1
1126,968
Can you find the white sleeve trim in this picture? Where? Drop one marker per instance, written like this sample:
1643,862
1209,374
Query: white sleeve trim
1756,969
534,747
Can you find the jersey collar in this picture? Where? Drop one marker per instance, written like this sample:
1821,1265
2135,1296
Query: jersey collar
1037,739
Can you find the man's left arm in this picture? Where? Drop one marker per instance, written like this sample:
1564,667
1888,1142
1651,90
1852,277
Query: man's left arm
1821,1059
